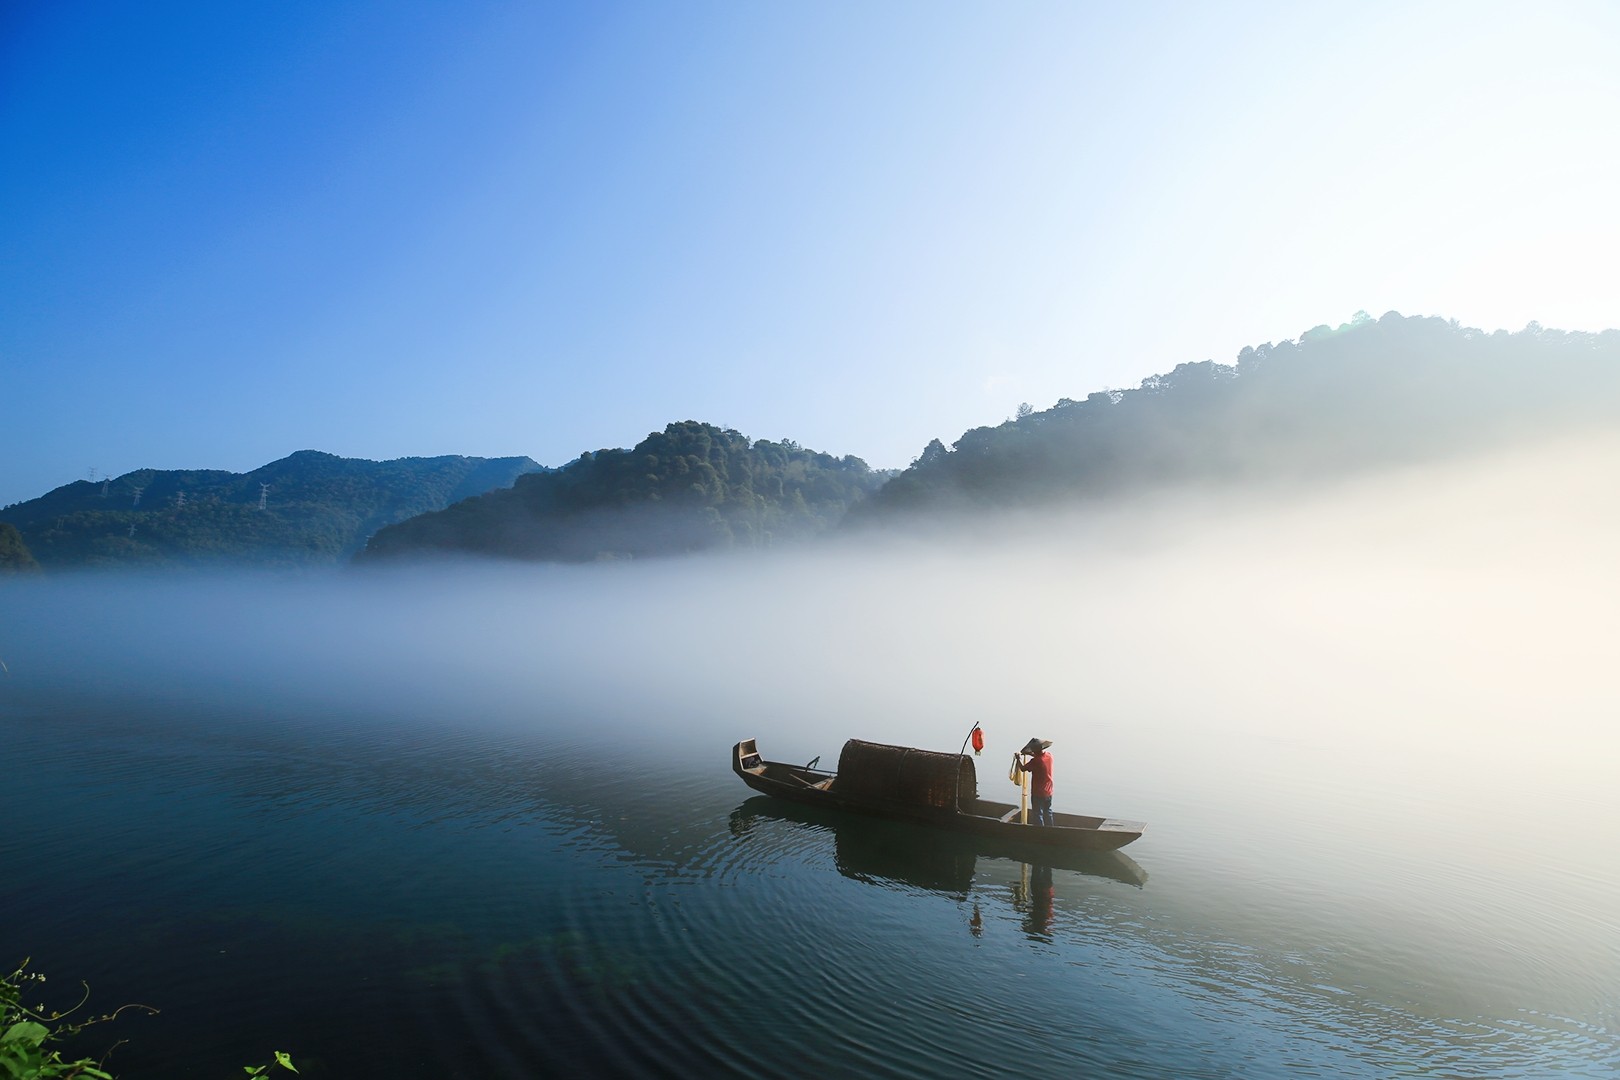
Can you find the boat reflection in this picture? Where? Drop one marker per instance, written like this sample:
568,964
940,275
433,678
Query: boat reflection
877,851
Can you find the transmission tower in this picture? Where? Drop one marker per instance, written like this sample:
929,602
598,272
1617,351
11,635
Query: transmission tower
138,490
264,492
179,499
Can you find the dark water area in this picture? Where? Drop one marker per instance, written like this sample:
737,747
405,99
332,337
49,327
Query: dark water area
428,898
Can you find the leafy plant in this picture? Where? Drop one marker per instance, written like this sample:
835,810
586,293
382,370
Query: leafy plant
28,1034
283,1060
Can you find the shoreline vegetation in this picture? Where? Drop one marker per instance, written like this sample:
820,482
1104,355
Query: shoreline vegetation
32,1036
1366,395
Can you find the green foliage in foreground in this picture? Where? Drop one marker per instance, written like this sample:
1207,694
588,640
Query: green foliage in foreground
282,1059
27,1033
30,1035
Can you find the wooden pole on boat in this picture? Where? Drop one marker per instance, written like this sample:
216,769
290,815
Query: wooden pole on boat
1023,801
962,753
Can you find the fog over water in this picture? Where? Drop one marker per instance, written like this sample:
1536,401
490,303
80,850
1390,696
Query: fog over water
1381,715
1481,594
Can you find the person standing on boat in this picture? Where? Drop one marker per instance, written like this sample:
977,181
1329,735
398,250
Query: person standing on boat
1035,760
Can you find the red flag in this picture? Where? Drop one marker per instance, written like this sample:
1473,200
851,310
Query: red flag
978,739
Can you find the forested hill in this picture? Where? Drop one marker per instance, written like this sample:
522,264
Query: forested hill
316,509
692,487
15,558
1339,400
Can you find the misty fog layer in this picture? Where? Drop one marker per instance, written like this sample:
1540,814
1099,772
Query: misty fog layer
1440,603
1396,693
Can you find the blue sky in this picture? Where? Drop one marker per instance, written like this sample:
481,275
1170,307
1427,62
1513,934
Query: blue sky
234,231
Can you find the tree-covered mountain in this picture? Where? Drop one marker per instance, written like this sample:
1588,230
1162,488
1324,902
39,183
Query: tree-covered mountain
1364,395
304,510
14,554
1340,400
691,487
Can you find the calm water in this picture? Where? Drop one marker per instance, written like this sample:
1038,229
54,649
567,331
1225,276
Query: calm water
436,899
483,824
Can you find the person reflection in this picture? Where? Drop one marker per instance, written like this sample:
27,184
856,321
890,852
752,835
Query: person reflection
1032,895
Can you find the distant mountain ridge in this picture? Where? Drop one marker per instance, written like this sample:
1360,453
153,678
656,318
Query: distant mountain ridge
317,509
1369,394
1341,400
691,487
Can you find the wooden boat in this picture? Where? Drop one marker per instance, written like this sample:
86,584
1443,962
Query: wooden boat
875,850
902,783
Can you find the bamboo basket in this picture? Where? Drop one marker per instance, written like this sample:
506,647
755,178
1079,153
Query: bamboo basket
907,775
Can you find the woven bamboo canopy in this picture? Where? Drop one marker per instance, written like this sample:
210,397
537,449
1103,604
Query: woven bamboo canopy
907,775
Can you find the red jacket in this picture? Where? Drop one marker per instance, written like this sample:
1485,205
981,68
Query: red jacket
1039,768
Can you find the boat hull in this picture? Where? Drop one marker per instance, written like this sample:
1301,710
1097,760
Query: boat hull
995,823
868,848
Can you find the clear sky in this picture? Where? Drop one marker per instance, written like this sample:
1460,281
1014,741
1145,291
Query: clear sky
380,229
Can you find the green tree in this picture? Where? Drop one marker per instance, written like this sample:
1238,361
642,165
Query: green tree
14,554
